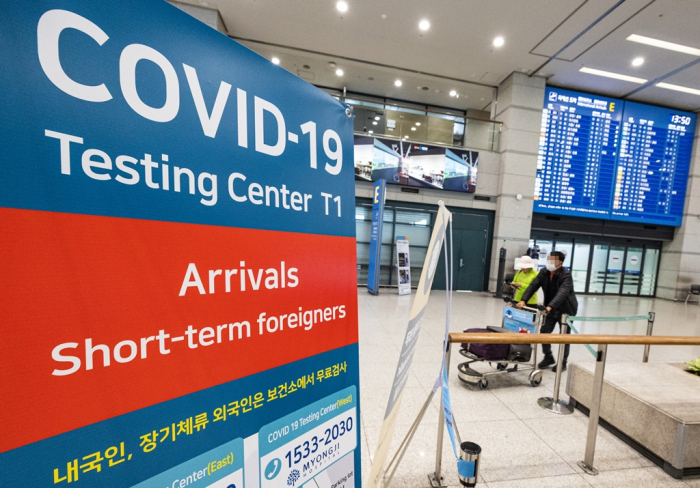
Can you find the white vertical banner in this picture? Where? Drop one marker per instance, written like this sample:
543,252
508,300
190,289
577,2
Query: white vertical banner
403,265
403,368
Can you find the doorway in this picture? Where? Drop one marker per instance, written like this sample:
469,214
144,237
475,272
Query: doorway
607,266
470,239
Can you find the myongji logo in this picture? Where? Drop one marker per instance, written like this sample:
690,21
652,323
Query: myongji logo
293,477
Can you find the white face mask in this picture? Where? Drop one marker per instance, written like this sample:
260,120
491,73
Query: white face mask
551,266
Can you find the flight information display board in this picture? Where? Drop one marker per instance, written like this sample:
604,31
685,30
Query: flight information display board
653,165
576,160
606,158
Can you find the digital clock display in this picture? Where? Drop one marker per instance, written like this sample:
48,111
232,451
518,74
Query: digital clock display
681,119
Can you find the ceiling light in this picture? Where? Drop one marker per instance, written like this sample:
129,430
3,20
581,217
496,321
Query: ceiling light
668,86
275,60
637,61
374,123
371,132
453,93
413,128
342,6
398,83
424,25
405,137
499,41
418,124
377,117
664,44
616,76
339,72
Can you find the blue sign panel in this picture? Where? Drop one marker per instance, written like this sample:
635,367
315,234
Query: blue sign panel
171,203
576,160
653,165
375,242
610,159
520,321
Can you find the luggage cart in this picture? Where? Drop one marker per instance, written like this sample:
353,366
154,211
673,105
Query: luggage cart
472,377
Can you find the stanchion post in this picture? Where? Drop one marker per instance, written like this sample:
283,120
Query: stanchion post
594,414
564,324
553,404
436,477
650,331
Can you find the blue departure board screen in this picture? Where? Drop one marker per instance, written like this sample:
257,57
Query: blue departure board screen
653,164
577,153
605,158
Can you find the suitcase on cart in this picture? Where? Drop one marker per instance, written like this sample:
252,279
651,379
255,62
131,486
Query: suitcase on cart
499,352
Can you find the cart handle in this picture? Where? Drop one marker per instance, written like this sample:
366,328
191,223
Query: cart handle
540,308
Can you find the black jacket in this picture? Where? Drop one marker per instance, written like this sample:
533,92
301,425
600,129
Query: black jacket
564,299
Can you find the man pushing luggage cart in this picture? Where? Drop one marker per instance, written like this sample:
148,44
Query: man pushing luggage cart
559,299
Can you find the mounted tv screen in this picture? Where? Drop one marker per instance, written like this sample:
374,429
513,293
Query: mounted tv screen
411,164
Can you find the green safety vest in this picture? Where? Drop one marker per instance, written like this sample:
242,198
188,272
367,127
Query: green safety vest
525,279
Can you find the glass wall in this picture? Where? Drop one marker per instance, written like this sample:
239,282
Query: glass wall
579,269
650,268
420,123
415,224
606,266
598,269
633,270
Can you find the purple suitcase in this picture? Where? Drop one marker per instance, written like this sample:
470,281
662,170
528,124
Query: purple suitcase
491,352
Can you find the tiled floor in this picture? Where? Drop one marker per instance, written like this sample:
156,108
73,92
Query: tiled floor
523,445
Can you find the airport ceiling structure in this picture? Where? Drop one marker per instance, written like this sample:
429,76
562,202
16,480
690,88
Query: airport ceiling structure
455,53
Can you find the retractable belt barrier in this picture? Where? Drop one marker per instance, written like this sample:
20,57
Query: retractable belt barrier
650,327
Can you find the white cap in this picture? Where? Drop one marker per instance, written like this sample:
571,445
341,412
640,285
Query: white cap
525,262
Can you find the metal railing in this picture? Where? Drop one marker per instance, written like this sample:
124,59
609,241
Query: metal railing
554,404
603,341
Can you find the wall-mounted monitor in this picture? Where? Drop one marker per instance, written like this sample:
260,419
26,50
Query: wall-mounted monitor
411,164
605,158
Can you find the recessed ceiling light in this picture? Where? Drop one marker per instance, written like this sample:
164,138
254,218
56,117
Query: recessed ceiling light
453,93
405,137
371,132
637,61
339,72
275,60
616,76
342,6
499,41
413,128
418,124
374,123
377,117
424,25
684,89
398,83
664,44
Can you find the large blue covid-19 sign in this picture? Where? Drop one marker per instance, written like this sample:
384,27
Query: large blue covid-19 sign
179,293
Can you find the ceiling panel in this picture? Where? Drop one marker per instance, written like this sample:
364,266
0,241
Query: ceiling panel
459,44
586,17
